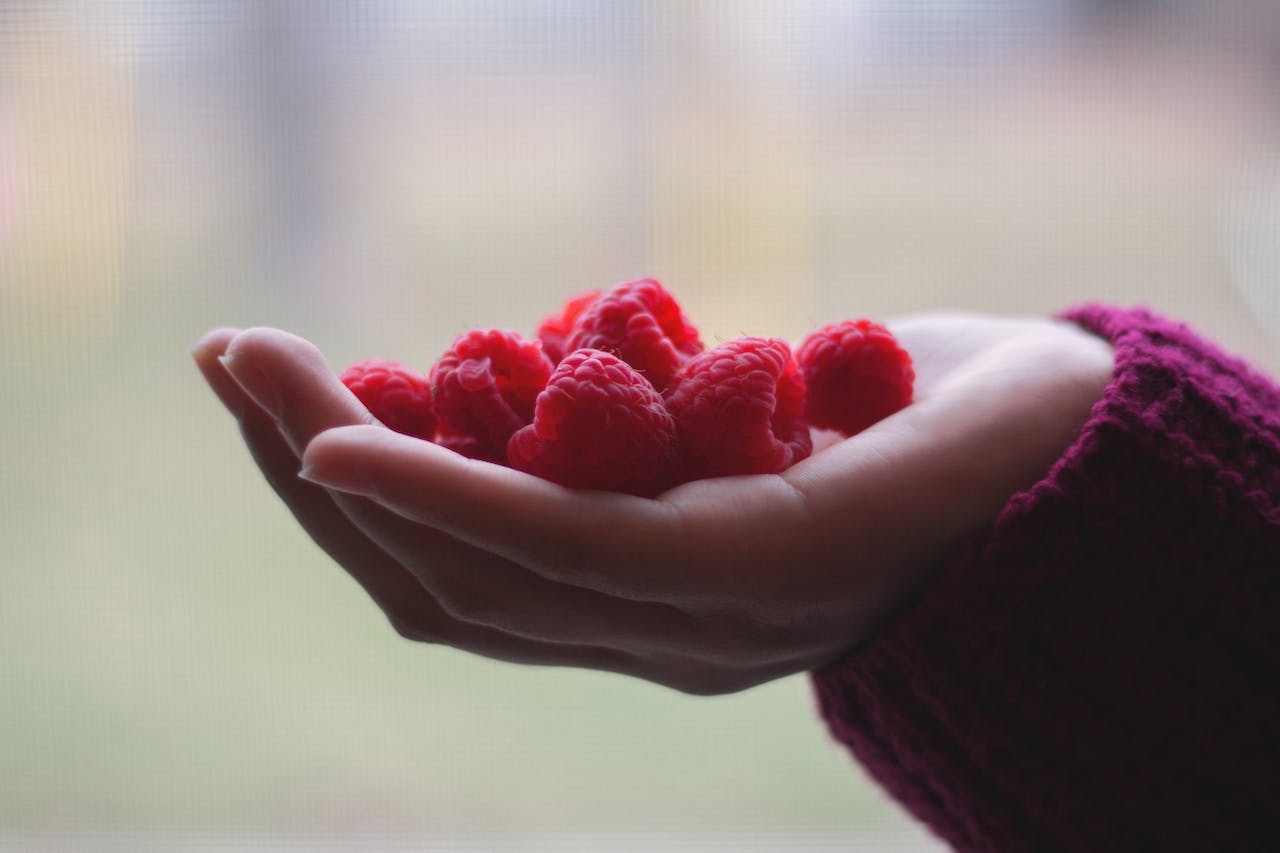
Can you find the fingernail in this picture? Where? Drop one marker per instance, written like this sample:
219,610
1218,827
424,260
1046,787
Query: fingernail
255,383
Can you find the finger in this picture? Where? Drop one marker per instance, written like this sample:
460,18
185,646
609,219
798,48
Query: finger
258,358
410,609
413,611
289,378
488,506
677,550
416,615
206,353
483,588
407,604
557,532
399,595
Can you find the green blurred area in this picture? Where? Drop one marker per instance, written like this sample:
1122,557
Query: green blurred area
178,654
175,654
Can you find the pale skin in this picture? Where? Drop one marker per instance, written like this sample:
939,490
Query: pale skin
711,588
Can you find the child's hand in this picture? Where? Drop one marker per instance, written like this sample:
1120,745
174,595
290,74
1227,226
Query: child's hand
713,587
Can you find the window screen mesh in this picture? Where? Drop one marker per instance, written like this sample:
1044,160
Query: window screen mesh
183,668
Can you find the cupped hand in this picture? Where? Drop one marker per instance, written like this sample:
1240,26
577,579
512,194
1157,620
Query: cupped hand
713,587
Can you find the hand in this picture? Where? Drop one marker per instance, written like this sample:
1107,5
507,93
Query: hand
713,587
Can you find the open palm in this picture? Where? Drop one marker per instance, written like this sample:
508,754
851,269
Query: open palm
714,586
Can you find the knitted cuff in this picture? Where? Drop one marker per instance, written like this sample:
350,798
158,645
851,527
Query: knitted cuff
1098,671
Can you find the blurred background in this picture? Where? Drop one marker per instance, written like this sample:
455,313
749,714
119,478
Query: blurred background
180,668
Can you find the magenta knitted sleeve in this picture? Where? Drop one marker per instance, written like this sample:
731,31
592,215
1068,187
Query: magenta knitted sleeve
1101,669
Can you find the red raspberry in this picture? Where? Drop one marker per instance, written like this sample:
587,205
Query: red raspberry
554,330
739,409
856,374
599,425
394,394
485,386
641,323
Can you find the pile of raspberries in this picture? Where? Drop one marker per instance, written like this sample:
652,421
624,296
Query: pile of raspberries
617,393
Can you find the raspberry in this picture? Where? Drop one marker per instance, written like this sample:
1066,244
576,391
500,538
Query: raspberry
599,425
554,330
641,323
394,394
856,374
739,409
485,386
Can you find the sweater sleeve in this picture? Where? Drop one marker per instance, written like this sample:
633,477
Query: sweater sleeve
1100,670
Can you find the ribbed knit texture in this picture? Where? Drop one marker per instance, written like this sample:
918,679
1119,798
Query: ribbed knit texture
1101,669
